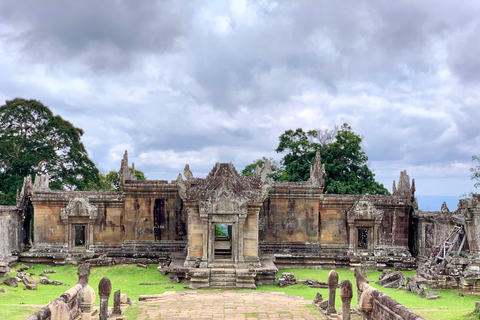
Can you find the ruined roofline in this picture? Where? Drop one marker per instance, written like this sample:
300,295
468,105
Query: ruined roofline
78,193
7,208
455,217
114,198
376,197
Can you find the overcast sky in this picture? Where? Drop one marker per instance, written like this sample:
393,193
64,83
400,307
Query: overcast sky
201,82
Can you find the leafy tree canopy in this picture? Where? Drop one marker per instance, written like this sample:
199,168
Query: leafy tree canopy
276,170
345,161
33,140
475,172
111,181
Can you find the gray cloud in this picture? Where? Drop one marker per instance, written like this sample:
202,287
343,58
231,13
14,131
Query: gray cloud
101,34
200,82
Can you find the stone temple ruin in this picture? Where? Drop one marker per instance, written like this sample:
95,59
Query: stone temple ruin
264,225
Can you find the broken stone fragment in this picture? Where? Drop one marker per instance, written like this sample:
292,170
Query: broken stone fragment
432,295
31,286
323,304
392,280
49,271
318,298
11,282
4,269
385,272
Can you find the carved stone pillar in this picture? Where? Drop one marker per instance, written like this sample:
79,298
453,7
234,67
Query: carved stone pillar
346,294
353,239
471,211
196,234
104,290
116,302
332,288
208,240
241,224
376,227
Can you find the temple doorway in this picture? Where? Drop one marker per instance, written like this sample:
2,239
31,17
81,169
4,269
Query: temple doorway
223,242
79,235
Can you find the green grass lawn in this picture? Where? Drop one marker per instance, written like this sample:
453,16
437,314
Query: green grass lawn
16,303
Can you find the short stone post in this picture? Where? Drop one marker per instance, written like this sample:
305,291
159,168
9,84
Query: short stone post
104,290
116,303
332,288
346,294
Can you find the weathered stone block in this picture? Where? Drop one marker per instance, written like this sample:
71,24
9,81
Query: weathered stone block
11,282
432,295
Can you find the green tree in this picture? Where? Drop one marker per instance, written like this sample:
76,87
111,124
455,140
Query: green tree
276,170
111,181
219,231
475,172
33,140
345,161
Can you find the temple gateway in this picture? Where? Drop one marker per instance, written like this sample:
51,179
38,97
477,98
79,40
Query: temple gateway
233,231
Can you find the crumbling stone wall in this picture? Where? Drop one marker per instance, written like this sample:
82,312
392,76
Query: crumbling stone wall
433,227
9,231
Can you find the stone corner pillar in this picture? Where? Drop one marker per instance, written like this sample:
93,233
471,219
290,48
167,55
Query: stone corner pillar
104,290
116,302
332,288
346,294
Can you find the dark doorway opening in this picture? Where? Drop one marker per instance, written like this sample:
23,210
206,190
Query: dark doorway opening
28,225
79,236
223,241
159,218
362,238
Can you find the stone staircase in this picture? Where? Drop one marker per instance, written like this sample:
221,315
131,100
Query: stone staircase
223,278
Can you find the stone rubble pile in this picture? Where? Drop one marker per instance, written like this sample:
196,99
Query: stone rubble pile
416,285
4,269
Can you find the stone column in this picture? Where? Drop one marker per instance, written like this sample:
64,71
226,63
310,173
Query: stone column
116,302
241,225
346,294
332,288
104,290
353,238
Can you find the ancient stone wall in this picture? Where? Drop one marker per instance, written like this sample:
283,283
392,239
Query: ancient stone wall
154,211
58,212
290,214
304,216
9,231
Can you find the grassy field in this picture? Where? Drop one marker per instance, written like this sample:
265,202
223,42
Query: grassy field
17,303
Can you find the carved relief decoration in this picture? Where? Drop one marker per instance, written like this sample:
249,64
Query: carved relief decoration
224,191
79,207
364,209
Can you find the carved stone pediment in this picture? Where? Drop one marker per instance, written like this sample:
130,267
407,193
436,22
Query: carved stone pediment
79,207
224,191
364,209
